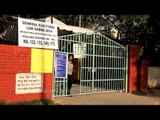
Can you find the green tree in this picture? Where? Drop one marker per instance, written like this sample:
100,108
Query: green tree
129,27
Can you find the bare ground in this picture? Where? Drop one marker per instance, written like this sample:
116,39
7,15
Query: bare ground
110,98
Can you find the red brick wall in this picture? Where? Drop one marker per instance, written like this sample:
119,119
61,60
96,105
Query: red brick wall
134,51
13,60
138,70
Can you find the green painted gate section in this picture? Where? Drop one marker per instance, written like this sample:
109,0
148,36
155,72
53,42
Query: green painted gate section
103,64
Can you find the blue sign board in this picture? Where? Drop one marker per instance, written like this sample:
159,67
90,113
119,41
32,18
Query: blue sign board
60,60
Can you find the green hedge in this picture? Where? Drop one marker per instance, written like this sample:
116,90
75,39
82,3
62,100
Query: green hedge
34,102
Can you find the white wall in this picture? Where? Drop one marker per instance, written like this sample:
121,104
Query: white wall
154,77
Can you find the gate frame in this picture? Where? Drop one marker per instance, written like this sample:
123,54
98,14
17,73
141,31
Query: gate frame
126,63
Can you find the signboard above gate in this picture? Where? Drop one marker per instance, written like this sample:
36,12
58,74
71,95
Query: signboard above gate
37,34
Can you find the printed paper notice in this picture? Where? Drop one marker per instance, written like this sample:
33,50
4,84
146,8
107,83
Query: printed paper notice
29,83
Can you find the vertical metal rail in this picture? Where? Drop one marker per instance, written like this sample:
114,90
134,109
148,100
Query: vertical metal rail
93,63
126,69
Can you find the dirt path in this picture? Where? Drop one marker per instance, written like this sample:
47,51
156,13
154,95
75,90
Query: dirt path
114,98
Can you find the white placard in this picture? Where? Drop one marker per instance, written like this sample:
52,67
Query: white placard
37,34
29,83
80,50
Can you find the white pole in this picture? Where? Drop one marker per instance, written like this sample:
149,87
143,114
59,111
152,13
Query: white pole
80,17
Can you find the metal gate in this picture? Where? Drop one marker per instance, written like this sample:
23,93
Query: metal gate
103,64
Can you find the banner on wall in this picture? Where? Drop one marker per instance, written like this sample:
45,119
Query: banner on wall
37,34
29,83
60,63
41,60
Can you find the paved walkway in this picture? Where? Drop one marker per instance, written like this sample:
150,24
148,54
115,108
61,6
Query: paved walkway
111,98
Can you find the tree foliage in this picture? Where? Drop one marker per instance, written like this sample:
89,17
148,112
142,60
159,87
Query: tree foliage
5,21
128,26
132,29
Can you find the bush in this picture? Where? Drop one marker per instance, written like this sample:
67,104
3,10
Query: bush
2,103
150,90
138,92
34,102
